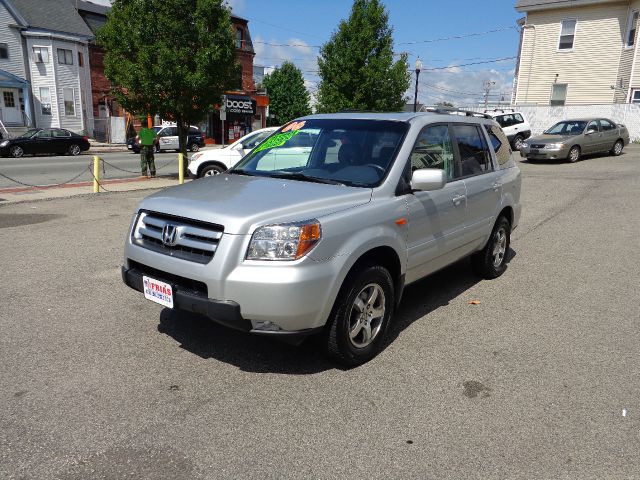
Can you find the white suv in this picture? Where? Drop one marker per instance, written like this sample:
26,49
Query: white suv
515,126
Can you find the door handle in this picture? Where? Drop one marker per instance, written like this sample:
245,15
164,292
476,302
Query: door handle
458,199
496,186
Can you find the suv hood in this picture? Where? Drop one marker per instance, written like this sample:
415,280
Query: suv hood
239,202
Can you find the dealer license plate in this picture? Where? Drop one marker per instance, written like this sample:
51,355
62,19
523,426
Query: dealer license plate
157,291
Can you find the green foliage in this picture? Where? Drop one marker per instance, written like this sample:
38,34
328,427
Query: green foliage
170,57
357,66
445,104
288,97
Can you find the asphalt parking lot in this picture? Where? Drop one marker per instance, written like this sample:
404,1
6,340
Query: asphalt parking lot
539,380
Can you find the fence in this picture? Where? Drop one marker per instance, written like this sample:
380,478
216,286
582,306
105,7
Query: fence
108,129
542,117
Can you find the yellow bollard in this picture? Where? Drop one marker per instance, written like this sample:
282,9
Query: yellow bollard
96,174
180,168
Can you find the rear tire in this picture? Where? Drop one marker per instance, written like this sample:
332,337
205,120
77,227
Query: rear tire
574,154
617,148
74,150
491,261
517,142
194,147
211,170
361,316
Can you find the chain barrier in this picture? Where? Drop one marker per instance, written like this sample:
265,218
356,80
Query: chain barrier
93,178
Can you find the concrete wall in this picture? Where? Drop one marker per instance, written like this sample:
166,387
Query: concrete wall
542,117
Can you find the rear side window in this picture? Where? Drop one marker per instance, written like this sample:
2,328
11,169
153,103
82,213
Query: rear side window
194,131
61,133
474,152
518,118
606,125
434,149
499,143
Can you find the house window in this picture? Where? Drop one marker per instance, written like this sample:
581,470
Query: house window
45,100
80,60
567,34
4,51
238,38
635,97
558,94
9,99
65,57
631,29
41,54
69,102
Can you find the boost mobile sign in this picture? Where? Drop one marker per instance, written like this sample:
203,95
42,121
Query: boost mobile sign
237,104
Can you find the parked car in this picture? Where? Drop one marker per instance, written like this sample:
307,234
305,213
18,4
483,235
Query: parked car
514,124
168,139
215,161
45,140
570,139
327,245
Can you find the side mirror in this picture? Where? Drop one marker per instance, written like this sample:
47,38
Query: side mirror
428,179
591,130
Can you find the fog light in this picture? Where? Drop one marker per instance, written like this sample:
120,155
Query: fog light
265,326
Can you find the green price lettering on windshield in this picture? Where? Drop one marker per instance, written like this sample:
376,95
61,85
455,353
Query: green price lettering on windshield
277,140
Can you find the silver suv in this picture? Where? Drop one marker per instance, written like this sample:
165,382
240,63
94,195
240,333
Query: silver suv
293,241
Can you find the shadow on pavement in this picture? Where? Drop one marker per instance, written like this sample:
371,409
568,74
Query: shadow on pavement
207,339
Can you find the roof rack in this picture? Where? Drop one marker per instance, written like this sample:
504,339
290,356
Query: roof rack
457,111
503,110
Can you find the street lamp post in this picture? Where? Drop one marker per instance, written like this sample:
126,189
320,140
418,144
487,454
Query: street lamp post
415,98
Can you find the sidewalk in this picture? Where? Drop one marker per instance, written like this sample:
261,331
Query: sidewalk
27,194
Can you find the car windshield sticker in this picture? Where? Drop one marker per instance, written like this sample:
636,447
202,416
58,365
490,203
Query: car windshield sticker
277,140
293,126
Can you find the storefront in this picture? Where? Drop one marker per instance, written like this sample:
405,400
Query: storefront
244,114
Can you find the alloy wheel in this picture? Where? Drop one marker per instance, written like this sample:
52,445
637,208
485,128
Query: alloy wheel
617,148
500,247
74,150
17,152
367,315
518,143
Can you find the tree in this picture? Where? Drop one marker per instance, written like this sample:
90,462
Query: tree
445,104
288,97
174,58
357,67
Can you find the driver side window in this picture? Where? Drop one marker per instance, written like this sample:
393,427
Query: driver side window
434,149
592,126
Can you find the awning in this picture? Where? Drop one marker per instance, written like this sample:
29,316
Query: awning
9,80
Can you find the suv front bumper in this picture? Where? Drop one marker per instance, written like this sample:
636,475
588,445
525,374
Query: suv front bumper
224,312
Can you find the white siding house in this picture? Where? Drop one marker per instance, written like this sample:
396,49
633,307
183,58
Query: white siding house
576,52
49,59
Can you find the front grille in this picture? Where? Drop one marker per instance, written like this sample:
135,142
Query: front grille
188,240
181,283
537,145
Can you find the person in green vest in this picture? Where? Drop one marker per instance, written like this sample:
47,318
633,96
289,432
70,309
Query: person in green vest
147,139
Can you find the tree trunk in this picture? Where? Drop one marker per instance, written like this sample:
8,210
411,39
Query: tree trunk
183,132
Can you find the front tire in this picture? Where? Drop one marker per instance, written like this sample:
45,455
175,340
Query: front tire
361,316
617,148
16,152
574,154
491,261
211,170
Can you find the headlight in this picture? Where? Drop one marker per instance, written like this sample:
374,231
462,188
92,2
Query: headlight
4,144
288,241
553,146
194,157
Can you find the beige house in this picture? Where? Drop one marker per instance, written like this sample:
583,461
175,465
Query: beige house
578,52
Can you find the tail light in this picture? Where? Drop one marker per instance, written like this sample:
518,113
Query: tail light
85,138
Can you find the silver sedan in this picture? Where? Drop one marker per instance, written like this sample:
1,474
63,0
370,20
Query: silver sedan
570,139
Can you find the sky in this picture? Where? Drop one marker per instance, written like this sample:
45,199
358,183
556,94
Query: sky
292,30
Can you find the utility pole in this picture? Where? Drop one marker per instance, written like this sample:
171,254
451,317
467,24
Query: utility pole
487,88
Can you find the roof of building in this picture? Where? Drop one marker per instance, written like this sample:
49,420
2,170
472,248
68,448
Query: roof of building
530,5
84,5
54,15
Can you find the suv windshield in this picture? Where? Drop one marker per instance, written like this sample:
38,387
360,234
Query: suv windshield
350,152
567,128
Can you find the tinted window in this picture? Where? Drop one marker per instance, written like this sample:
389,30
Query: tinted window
194,131
606,125
61,133
434,149
44,134
499,143
474,153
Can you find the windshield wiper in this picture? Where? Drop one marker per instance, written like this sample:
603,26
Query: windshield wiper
243,172
305,177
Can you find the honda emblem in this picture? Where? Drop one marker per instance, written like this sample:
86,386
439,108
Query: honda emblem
169,235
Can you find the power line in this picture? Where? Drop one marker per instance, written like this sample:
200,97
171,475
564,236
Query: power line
456,37
467,64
